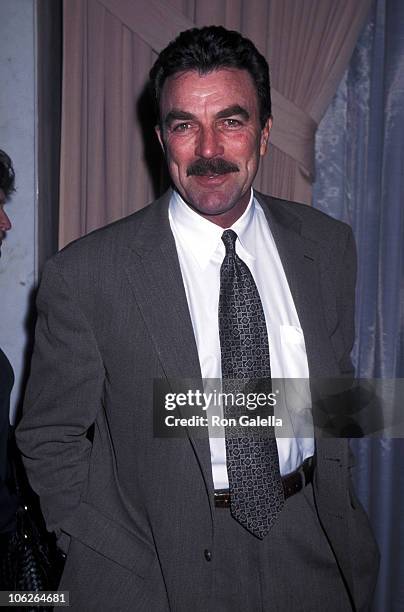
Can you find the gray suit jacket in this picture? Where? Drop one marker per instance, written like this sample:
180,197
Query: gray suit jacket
133,511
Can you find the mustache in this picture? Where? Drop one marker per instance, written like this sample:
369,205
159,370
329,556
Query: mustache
208,167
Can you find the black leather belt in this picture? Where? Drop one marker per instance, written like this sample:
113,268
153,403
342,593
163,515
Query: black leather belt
292,483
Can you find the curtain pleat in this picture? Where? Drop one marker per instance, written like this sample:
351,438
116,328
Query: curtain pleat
309,46
96,180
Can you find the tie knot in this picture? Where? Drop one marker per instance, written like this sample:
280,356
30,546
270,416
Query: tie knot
229,240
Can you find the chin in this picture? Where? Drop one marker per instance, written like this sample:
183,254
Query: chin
212,211
212,204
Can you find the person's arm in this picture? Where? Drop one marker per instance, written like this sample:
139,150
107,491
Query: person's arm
62,400
346,283
332,397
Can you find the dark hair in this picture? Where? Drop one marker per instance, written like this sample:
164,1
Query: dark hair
7,175
211,48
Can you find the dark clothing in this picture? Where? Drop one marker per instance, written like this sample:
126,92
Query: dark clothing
8,501
135,512
294,568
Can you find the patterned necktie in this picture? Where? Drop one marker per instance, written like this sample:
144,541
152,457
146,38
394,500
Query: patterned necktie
256,491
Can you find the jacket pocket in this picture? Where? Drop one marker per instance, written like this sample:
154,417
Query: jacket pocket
110,539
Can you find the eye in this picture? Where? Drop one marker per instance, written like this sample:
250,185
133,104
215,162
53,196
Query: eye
181,127
232,123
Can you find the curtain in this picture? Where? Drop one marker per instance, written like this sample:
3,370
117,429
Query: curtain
110,161
360,179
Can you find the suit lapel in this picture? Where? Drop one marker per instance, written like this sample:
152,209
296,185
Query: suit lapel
301,260
154,274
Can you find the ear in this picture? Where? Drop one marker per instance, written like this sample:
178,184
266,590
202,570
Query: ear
265,136
159,136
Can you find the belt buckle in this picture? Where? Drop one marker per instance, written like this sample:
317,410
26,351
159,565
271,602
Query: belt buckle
222,499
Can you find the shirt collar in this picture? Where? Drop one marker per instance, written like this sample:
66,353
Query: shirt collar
201,237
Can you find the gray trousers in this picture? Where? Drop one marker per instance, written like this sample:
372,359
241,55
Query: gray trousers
292,570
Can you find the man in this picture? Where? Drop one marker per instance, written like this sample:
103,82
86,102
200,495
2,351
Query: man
8,500
7,178
159,523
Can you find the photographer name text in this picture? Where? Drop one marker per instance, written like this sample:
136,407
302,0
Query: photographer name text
218,421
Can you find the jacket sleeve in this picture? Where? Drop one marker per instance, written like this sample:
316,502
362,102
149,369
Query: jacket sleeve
62,400
346,283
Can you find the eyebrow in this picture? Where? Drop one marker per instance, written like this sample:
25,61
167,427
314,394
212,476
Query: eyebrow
236,109
178,115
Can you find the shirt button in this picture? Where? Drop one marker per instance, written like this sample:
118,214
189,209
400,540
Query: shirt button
208,554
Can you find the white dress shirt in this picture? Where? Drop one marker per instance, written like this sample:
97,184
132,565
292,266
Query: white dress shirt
201,253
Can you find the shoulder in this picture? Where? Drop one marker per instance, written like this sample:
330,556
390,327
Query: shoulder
112,235
107,246
314,224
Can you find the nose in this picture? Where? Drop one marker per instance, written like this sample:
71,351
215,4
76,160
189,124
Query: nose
5,223
208,143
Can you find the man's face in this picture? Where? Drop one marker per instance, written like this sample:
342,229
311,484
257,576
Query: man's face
213,140
5,223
